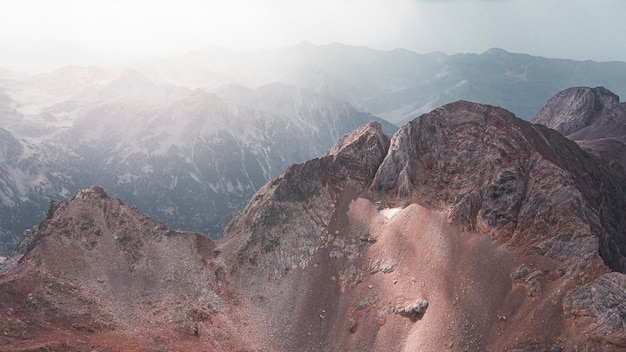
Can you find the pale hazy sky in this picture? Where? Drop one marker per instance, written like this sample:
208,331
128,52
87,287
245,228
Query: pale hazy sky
44,34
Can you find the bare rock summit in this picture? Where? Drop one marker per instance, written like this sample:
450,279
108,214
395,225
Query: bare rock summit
593,117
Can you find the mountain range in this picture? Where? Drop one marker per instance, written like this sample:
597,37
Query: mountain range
396,85
467,230
192,162
189,139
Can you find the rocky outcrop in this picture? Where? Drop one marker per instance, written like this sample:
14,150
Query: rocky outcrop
600,309
100,273
593,117
510,179
413,310
583,113
291,217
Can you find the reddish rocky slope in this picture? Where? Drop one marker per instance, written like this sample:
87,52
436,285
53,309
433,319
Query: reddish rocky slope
469,230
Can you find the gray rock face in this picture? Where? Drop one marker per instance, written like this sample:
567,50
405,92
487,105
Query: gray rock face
413,310
583,113
603,302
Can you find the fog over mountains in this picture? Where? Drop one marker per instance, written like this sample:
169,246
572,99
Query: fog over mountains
315,198
396,85
189,139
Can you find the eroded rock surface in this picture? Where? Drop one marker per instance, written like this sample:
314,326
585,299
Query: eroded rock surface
603,303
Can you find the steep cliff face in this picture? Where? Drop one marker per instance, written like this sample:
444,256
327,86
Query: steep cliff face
593,117
291,217
469,230
513,180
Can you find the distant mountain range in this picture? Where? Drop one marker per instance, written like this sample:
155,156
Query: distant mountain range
396,85
186,157
189,139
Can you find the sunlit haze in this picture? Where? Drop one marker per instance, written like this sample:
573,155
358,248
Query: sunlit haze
38,35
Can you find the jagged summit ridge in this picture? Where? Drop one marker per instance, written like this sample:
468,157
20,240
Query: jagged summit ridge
98,267
92,192
501,175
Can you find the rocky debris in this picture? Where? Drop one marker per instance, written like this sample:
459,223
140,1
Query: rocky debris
385,266
593,117
604,301
539,347
529,277
414,310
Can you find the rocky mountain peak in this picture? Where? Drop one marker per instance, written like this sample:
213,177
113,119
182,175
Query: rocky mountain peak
367,136
93,192
365,147
100,267
289,217
377,245
573,110
496,52
449,140
495,172
593,117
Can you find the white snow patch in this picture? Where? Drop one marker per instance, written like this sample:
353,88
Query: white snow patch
147,169
194,177
389,213
65,192
174,183
126,178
